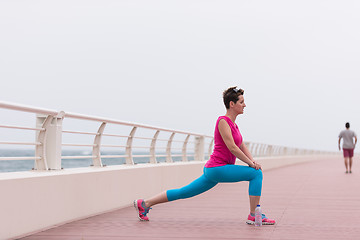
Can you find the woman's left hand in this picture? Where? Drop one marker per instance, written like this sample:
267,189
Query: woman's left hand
256,165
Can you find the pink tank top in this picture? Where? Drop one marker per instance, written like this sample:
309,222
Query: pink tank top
221,154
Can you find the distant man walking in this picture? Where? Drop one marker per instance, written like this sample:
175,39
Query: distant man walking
348,146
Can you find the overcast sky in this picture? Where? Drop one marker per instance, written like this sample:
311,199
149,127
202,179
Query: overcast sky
166,63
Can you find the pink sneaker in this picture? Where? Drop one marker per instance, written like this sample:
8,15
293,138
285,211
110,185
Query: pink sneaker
265,220
141,209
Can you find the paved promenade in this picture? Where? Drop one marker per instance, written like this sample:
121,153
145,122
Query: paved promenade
313,200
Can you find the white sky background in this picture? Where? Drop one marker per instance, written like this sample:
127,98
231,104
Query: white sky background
166,63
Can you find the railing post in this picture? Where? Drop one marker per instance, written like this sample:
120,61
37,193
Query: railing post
50,139
279,151
97,144
199,148
152,147
268,150
168,149
40,150
296,151
264,150
184,156
255,151
211,145
129,158
247,144
261,150
251,147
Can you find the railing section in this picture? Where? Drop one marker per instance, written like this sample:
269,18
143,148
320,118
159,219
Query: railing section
159,143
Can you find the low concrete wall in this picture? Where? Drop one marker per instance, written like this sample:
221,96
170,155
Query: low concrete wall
33,201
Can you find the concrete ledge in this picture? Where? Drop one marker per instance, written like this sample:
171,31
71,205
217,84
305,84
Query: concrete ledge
33,201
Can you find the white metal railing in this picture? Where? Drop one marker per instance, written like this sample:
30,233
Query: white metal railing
49,132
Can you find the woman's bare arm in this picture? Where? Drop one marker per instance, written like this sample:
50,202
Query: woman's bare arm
226,135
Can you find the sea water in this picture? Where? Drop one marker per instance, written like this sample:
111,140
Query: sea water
26,165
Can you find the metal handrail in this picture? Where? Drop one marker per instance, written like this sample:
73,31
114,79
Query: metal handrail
113,156
118,146
21,143
76,157
77,132
17,158
26,108
114,135
78,145
22,128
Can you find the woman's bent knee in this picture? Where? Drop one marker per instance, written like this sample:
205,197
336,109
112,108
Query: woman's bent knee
259,174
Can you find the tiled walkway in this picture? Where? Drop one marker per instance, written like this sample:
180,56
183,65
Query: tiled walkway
314,200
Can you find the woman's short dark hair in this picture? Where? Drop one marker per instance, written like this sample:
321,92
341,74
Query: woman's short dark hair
347,125
232,95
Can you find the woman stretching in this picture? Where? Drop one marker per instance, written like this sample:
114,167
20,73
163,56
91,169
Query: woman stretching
220,167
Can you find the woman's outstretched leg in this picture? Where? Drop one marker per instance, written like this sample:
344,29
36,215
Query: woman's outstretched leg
196,187
143,206
160,198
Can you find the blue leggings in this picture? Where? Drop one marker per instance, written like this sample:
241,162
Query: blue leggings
215,175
